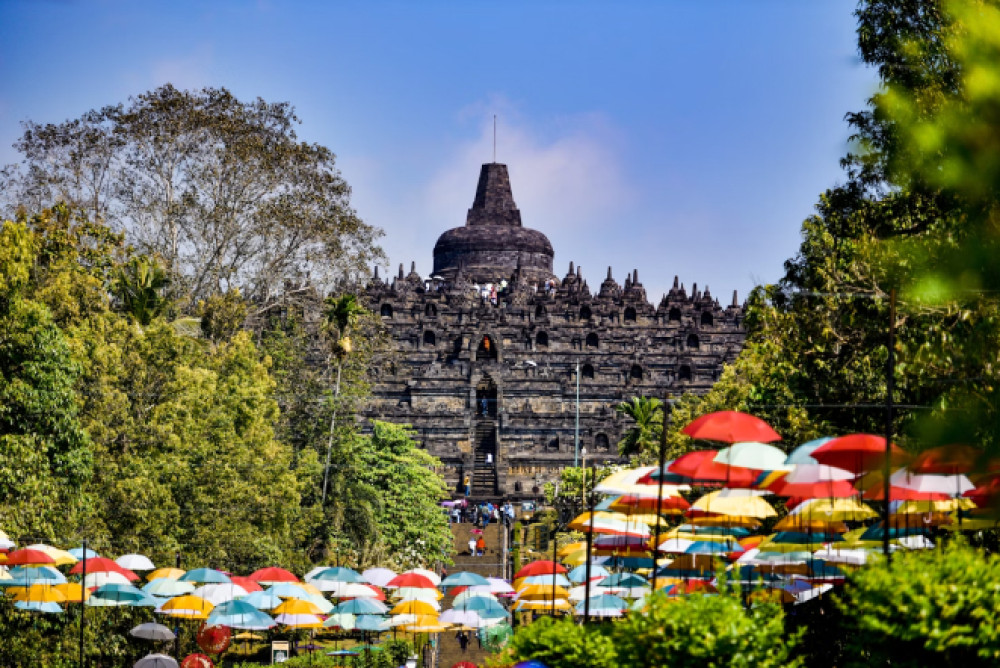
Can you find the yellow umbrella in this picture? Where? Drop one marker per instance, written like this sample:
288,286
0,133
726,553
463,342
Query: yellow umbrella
848,508
571,548
310,588
413,607
696,562
424,624
624,483
73,591
576,558
168,573
810,525
943,506
736,505
297,606
558,604
61,557
187,607
246,635
541,592
39,593
724,521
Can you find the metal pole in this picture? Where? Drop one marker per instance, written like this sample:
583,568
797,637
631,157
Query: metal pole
554,531
83,605
576,441
590,542
659,491
889,388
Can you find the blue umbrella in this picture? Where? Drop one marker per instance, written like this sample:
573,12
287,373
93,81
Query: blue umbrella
168,587
805,538
604,605
262,600
205,576
371,623
487,608
579,574
803,453
36,575
287,590
623,580
361,606
739,532
39,606
712,547
78,553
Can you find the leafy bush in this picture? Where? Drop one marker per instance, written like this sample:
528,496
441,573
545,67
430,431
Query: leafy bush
705,631
935,607
560,643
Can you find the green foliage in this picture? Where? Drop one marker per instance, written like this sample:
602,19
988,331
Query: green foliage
140,285
642,439
933,607
221,189
222,316
16,257
702,630
562,643
410,527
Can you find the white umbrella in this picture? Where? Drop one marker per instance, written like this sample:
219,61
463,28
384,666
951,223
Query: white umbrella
135,562
152,631
344,589
499,586
220,592
417,593
835,556
468,593
955,485
95,580
462,618
156,661
378,576
810,473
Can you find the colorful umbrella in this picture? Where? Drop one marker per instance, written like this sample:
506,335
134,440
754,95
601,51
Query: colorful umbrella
272,575
730,427
858,453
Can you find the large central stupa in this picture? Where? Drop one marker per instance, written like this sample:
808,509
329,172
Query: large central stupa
493,242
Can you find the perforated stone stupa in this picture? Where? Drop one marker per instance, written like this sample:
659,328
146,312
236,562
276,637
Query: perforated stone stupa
489,347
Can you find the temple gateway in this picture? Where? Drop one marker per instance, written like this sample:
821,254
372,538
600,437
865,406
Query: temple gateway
497,356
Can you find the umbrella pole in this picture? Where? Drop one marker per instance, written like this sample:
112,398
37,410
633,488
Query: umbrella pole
554,543
889,388
83,602
659,493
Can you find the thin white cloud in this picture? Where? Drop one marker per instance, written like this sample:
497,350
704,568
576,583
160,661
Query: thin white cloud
567,177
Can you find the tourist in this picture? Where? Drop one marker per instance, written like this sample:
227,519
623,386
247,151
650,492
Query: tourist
472,545
463,640
480,547
467,483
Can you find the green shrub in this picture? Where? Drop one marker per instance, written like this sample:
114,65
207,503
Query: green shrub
935,607
561,643
703,631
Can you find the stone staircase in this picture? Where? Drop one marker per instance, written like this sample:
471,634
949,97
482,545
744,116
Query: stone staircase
488,565
484,474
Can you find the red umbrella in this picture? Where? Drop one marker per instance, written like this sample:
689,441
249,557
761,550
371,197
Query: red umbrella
986,493
410,580
197,661
27,557
541,567
830,489
245,582
464,664
858,452
379,594
273,575
947,459
102,565
700,467
731,427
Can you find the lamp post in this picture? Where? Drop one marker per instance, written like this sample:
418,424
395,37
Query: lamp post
576,439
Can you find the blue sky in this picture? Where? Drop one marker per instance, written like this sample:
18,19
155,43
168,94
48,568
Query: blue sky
678,138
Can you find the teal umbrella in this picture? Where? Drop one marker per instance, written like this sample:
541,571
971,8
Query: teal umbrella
238,614
111,595
487,608
579,574
464,579
168,587
371,623
39,606
803,453
262,600
337,574
205,576
623,580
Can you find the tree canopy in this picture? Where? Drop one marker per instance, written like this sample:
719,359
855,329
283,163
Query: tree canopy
220,189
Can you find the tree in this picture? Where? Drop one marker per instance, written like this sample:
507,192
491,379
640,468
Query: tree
643,437
219,188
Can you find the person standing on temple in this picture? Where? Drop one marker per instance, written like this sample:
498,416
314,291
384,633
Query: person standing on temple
467,483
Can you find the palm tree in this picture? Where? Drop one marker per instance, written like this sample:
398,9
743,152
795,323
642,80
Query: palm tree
643,436
341,315
140,284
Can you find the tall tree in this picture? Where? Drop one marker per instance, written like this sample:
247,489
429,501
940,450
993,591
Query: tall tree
219,188
642,438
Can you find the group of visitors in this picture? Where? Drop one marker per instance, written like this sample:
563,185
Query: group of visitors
490,293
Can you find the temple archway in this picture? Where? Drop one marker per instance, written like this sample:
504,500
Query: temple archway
487,349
